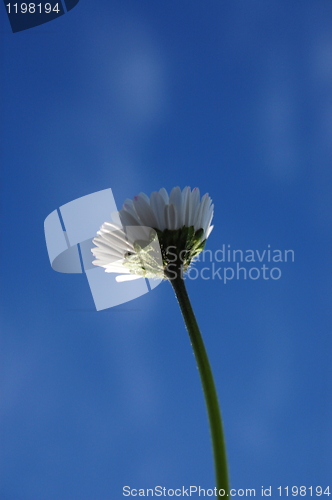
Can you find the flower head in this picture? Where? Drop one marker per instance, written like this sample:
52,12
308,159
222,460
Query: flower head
160,234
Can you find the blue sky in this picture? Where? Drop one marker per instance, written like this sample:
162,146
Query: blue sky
232,97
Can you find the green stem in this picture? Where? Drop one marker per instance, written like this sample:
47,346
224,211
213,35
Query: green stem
209,389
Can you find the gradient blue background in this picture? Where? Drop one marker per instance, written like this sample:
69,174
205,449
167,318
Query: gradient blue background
234,97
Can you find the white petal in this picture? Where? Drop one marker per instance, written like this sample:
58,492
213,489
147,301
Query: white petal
164,195
208,232
107,258
207,216
195,201
173,216
105,250
145,212
110,268
127,277
201,212
170,216
113,268
113,241
128,201
157,203
124,246
107,228
176,199
186,198
127,219
129,207
116,267
145,197
139,233
111,226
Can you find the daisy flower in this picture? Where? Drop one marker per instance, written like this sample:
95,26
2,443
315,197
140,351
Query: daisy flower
160,235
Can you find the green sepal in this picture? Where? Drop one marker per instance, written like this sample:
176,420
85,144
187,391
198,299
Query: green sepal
178,247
